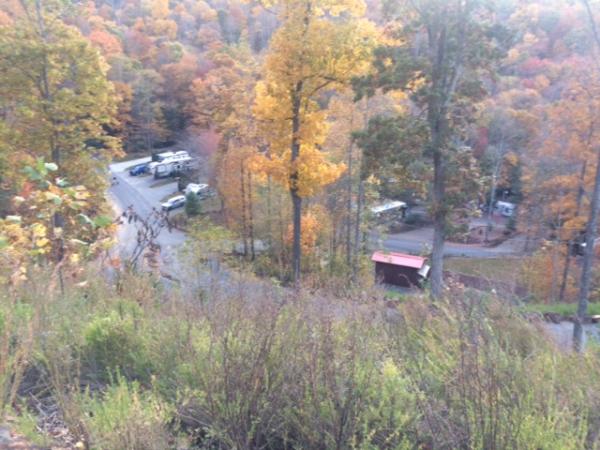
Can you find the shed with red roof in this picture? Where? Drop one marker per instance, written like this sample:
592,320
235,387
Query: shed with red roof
400,269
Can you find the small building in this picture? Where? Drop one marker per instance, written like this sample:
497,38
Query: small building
400,269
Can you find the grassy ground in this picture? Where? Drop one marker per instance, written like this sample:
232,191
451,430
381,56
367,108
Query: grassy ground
498,269
395,295
564,309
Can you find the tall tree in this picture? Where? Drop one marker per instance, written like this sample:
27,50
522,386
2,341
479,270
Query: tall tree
55,98
320,45
438,52
591,230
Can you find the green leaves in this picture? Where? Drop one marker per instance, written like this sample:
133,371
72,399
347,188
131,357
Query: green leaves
54,88
85,220
96,222
102,221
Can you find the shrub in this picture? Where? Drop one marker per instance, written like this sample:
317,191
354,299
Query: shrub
113,344
256,366
192,205
16,345
125,418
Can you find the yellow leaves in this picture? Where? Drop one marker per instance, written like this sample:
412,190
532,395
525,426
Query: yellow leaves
314,171
301,64
81,193
30,238
38,230
42,245
52,197
416,83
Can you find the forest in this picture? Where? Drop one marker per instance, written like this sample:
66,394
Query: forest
299,224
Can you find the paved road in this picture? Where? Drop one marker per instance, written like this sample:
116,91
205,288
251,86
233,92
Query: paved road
137,192
400,244
420,241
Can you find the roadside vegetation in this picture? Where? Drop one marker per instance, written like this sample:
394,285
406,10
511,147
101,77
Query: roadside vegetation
254,366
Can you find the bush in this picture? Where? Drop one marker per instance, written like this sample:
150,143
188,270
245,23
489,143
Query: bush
192,205
125,418
112,344
16,346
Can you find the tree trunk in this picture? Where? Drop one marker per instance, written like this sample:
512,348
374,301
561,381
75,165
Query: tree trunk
588,261
349,206
357,239
592,225
565,274
244,222
360,195
439,229
251,218
269,213
294,189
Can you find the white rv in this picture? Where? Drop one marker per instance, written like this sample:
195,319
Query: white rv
172,166
167,157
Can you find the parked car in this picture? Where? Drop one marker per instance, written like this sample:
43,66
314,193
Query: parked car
138,170
198,189
174,202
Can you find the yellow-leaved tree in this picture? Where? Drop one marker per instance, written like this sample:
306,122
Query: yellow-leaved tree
56,100
319,47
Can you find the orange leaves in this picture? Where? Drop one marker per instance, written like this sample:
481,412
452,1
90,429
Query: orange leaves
312,225
108,44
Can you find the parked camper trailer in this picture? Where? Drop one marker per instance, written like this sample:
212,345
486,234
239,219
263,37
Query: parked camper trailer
172,166
166,157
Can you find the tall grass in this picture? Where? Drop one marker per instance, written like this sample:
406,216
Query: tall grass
252,367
